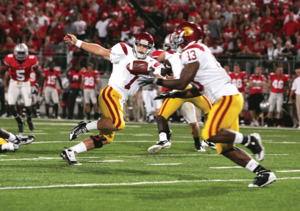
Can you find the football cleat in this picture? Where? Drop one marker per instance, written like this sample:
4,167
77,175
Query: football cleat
69,156
198,147
21,126
263,178
78,130
209,144
256,146
159,145
24,140
10,147
30,125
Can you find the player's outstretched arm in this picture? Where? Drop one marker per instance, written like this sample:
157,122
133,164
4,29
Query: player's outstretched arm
89,47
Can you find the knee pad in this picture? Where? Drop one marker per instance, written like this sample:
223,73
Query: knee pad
98,140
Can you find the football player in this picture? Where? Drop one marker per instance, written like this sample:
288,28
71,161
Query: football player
10,142
239,79
90,81
19,65
51,95
128,64
222,124
170,105
278,82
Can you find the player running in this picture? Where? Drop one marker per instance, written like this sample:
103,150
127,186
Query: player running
222,125
127,67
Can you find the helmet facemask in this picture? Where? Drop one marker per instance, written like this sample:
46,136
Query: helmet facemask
21,52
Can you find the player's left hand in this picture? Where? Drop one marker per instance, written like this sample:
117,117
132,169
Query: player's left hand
70,38
163,95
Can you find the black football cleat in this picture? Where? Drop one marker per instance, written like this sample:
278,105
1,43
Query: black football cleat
78,130
21,126
30,125
263,178
256,146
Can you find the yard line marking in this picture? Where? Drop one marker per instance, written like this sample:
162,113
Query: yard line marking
105,161
55,124
226,167
3,155
288,171
164,164
135,183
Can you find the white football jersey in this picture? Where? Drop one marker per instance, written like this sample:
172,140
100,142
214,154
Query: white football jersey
210,74
121,79
177,66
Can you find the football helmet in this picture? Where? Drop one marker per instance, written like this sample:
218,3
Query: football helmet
186,33
168,45
145,39
264,105
21,51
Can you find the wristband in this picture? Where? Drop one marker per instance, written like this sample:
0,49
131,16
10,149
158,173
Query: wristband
78,43
159,81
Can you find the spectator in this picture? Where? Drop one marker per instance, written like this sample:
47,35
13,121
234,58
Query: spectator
295,90
267,22
290,28
256,84
9,46
215,48
80,26
269,52
215,27
69,28
101,27
278,52
277,83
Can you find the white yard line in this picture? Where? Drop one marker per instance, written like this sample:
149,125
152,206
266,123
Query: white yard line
226,167
106,161
135,183
288,171
164,164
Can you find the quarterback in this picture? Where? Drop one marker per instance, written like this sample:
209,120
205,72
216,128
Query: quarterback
128,64
222,125
19,65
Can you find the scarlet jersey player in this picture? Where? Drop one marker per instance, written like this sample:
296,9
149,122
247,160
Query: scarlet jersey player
222,126
90,82
278,82
256,85
122,83
239,79
19,65
52,75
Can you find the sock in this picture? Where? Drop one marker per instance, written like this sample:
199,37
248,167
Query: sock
18,118
238,137
11,137
92,125
79,148
163,136
197,139
252,165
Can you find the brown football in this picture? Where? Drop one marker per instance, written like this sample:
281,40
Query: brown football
138,67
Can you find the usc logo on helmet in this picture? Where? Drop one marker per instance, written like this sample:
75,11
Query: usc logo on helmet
187,31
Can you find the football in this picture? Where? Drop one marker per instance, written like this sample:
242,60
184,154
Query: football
138,67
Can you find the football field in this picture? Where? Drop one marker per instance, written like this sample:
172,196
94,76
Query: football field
124,176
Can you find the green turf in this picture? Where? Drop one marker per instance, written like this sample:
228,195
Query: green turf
122,175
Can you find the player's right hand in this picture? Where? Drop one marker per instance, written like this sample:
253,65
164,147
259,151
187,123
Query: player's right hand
70,38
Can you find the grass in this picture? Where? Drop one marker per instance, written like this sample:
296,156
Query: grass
123,176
